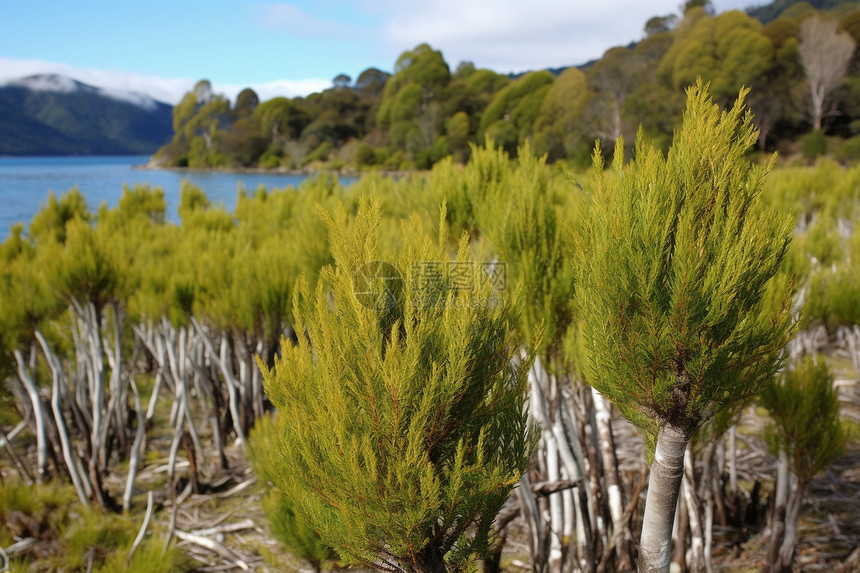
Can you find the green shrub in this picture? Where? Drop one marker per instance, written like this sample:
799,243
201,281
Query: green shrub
849,151
273,157
401,429
364,155
320,153
804,407
813,144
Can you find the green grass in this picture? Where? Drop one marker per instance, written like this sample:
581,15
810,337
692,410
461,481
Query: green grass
71,536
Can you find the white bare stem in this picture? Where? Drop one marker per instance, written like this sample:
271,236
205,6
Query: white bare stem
621,532
540,411
143,527
38,417
134,458
694,509
222,364
65,443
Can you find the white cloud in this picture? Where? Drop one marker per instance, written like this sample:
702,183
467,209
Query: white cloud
511,35
65,84
169,90
268,90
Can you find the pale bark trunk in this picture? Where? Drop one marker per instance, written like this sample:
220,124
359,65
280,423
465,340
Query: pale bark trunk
65,442
97,392
183,373
228,378
854,348
620,532
569,509
694,510
16,460
549,445
531,513
707,489
778,513
789,541
153,398
173,369
733,465
134,458
679,535
556,511
210,388
174,449
115,362
575,463
599,515
38,418
661,502
257,381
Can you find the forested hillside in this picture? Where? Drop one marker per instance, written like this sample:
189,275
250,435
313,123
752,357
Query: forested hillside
798,61
56,115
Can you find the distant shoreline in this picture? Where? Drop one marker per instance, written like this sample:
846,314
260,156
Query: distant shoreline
307,171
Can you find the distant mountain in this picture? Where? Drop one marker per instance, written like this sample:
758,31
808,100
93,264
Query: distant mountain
770,12
56,115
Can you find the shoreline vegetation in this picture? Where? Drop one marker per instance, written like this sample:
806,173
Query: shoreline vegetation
309,170
427,110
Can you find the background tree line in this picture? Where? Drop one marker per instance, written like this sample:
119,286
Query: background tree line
798,60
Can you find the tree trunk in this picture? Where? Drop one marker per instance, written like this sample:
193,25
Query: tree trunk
65,442
223,365
733,470
531,514
854,348
694,511
431,559
663,487
38,417
679,535
778,511
134,457
620,532
541,388
789,539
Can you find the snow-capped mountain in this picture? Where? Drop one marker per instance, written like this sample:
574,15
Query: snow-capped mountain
58,115
63,84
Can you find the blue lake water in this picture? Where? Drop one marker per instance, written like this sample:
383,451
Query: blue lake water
26,181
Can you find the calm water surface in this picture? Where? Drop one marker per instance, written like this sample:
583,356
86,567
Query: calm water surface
26,181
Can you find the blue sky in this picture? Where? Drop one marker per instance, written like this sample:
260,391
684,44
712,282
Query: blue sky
162,47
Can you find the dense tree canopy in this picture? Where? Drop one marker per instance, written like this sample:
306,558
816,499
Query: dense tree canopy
423,112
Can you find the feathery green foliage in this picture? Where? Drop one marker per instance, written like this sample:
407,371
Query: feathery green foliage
804,407
291,529
401,416
677,257
520,217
